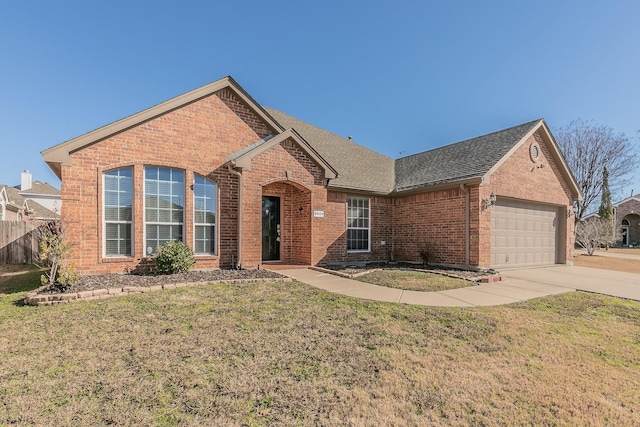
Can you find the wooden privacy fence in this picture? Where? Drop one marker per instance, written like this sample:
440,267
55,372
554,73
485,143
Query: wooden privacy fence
19,242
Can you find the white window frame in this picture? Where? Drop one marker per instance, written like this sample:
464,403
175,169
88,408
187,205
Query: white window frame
359,205
213,225
118,222
151,250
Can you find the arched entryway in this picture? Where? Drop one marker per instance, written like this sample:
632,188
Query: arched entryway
630,228
286,223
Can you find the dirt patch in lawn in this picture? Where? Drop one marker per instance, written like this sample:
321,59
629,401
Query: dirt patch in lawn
608,263
412,280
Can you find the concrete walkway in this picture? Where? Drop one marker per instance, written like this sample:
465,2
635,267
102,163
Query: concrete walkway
498,293
521,285
606,282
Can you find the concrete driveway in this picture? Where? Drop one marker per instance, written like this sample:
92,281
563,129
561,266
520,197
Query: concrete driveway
614,283
521,285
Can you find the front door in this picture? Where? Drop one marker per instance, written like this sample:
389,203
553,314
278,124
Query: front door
270,228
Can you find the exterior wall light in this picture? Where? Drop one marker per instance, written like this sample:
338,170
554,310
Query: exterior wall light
490,201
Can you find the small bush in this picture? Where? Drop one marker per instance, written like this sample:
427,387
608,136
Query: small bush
174,257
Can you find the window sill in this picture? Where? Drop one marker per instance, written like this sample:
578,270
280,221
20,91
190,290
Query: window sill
363,251
118,259
205,256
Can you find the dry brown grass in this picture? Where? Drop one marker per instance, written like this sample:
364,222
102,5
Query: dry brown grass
608,263
413,280
286,354
628,251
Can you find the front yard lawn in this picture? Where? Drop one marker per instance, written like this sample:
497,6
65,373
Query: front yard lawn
413,280
281,354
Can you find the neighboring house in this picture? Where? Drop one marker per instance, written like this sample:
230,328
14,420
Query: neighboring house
627,217
29,201
244,185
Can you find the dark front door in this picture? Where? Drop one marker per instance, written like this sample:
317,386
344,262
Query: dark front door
270,228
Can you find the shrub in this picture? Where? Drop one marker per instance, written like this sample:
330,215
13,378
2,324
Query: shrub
174,257
55,249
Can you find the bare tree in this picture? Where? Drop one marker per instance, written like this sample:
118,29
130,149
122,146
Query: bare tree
594,233
590,147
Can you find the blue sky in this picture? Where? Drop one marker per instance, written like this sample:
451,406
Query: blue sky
400,77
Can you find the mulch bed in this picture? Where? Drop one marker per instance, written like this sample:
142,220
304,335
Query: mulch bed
109,281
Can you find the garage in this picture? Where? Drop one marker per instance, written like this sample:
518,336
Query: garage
523,233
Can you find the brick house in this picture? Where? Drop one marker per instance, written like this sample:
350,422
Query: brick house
244,185
627,218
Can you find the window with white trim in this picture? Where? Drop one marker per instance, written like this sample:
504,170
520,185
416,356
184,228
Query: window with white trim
358,221
204,215
164,206
118,211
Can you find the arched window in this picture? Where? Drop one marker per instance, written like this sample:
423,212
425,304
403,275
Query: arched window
118,211
625,222
204,215
164,206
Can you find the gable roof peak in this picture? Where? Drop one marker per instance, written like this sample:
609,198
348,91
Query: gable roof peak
464,160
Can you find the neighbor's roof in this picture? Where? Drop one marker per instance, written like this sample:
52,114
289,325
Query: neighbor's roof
13,196
358,167
37,211
464,160
628,199
41,189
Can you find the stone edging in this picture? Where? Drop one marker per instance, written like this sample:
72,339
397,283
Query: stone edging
482,279
36,299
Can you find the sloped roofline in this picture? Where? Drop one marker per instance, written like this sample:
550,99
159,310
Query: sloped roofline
242,159
628,199
554,150
60,154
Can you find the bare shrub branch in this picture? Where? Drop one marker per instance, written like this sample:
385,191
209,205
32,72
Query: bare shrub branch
588,148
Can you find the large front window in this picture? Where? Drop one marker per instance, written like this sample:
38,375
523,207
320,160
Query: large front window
118,211
204,214
358,224
164,206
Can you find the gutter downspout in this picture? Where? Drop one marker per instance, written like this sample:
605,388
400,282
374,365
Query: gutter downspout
238,266
467,231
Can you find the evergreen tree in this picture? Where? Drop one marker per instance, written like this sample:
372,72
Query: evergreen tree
606,208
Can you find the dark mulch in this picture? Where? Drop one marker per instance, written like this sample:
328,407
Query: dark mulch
106,281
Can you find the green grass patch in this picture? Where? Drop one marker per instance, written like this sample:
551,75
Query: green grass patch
288,354
413,280
19,278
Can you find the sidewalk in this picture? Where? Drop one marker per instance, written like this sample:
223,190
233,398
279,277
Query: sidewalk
499,293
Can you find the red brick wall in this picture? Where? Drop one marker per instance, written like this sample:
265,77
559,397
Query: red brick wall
286,172
196,138
521,178
432,222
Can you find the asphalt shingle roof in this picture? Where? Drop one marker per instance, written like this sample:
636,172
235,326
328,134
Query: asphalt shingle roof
358,167
467,159
361,168
42,188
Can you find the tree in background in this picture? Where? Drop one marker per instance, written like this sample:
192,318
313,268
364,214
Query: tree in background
606,208
588,148
605,212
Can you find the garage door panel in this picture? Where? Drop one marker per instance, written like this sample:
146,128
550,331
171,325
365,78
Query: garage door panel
523,233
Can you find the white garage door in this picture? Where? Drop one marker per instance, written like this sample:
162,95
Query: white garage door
523,233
